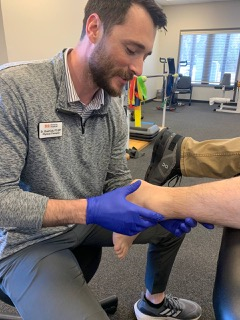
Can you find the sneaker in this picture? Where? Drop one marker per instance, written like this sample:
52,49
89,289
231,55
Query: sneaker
173,308
165,162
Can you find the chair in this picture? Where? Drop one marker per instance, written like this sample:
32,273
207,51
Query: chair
183,86
89,267
225,84
226,104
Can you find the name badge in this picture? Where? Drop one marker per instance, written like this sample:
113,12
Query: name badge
49,130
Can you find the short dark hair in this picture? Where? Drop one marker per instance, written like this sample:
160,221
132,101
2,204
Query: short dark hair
113,12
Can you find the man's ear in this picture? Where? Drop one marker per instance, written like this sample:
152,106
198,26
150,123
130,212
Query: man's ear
94,28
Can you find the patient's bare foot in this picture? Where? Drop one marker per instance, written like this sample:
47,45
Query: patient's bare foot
122,244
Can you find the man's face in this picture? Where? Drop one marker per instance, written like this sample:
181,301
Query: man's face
104,68
118,56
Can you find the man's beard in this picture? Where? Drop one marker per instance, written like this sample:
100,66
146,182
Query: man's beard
103,69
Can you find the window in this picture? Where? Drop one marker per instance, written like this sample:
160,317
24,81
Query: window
209,54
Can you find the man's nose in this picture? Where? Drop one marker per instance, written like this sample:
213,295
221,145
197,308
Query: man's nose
137,66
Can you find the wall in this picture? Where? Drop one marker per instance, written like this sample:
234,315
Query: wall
3,48
39,29
198,16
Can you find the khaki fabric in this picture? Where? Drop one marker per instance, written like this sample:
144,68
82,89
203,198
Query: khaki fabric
217,158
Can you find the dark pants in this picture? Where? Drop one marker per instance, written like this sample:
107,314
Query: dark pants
49,280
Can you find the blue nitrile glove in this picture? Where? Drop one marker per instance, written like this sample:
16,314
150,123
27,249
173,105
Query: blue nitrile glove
179,226
208,225
112,211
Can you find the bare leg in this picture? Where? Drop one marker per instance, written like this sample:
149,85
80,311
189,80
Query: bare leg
122,244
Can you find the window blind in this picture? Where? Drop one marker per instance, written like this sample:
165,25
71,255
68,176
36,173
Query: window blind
209,54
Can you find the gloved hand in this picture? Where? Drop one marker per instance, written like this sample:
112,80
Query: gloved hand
179,226
112,211
208,226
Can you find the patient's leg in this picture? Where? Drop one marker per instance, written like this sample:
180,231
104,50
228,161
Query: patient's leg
174,156
217,158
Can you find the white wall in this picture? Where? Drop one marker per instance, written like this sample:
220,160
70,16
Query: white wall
198,16
3,48
39,29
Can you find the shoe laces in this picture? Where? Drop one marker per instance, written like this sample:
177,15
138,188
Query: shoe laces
172,303
178,179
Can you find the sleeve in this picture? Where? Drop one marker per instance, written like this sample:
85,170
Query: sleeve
118,172
19,209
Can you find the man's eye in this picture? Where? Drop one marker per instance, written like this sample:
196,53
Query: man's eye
129,51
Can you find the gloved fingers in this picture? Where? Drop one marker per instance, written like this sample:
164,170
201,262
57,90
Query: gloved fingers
178,233
185,228
131,188
191,222
144,224
208,225
129,232
141,226
149,215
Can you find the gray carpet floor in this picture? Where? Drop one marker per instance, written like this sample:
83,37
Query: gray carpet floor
193,273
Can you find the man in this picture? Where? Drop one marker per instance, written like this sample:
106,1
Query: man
63,153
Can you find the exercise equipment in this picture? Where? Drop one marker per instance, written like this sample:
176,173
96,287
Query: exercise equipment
173,84
137,93
164,96
169,79
227,104
146,132
168,84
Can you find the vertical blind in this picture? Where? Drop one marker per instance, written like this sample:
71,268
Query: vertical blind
209,54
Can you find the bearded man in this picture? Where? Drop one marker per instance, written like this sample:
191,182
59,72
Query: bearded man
64,176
